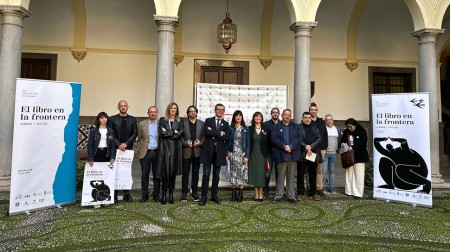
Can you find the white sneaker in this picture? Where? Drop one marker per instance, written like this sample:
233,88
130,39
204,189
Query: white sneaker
97,206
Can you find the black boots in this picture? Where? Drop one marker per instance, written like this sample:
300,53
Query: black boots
164,197
171,200
240,196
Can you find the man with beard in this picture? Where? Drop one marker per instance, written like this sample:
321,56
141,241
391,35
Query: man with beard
310,144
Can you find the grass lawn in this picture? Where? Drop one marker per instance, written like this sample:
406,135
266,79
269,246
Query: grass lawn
336,223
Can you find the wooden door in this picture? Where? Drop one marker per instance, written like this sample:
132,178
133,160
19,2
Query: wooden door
222,75
38,66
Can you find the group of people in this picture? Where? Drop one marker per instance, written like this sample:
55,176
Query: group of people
171,146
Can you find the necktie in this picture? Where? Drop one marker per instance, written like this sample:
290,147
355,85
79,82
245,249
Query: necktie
218,124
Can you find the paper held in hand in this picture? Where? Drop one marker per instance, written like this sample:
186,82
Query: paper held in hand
311,157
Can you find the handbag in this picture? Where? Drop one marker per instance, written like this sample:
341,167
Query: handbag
347,159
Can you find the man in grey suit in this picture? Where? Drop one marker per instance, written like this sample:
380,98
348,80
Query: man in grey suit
147,153
192,142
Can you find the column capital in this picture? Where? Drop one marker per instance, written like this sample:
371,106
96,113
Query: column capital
166,23
427,35
166,19
303,28
7,10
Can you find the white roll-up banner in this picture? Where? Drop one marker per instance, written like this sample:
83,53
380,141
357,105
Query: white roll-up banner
401,139
43,172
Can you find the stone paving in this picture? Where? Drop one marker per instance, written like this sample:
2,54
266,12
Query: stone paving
336,223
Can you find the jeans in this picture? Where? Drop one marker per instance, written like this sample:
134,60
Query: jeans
311,167
328,170
149,161
205,180
195,161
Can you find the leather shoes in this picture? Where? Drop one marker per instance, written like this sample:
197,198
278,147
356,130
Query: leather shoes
215,199
300,197
321,193
202,201
144,198
315,197
293,201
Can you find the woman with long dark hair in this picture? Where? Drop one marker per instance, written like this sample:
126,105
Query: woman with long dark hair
170,158
355,136
238,153
259,153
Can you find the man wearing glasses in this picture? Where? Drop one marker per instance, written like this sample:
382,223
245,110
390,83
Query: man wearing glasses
214,152
286,138
192,142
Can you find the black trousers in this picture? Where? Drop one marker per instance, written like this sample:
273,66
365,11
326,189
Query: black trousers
148,163
302,166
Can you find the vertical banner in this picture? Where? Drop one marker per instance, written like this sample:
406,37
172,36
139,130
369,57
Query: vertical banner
43,172
124,179
401,131
247,98
98,184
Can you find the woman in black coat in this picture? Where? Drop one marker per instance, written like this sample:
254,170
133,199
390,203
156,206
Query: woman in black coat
170,158
355,136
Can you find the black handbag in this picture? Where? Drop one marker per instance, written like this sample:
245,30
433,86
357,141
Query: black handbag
347,159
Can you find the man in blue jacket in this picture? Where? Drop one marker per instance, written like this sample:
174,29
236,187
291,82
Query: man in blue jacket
286,138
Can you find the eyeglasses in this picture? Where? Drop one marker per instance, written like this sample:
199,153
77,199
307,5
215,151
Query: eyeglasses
192,111
219,109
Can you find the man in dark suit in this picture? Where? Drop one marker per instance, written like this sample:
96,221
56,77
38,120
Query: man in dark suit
214,151
192,142
286,138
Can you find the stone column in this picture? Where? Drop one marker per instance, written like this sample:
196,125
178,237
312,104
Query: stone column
10,60
165,61
302,71
428,83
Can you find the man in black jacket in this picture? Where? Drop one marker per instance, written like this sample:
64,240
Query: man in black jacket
125,132
310,146
320,124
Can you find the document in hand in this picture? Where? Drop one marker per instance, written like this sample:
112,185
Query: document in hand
344,148
312,157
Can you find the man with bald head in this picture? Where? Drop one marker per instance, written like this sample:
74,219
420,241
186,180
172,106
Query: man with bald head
148,152
125,132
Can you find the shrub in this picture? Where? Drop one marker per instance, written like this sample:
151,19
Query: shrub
80,172
368,174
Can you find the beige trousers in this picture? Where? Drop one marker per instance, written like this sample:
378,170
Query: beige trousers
354,180
319,176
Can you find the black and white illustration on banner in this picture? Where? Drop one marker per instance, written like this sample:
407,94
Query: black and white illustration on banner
401,167
100,191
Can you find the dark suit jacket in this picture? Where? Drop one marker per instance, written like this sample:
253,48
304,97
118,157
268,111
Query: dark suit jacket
295,138
187,136
213,141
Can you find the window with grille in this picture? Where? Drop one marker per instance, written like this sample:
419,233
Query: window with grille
392,80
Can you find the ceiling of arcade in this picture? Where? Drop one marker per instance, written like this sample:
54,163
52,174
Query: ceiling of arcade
263,26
